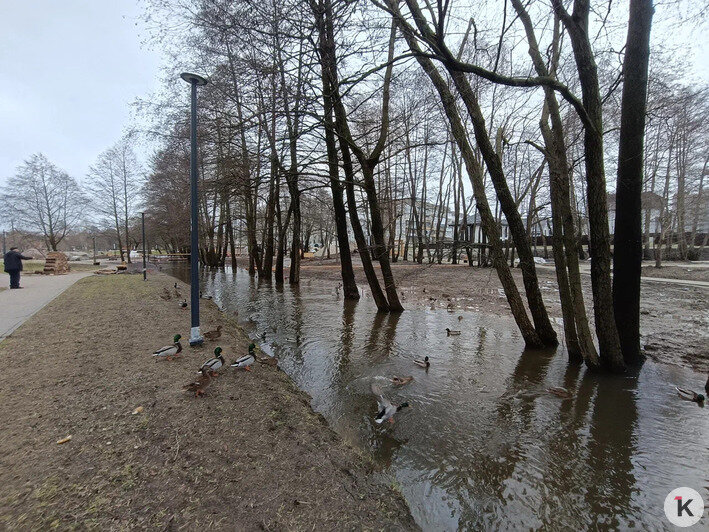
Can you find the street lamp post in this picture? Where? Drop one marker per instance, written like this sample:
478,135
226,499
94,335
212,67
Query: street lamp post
195,337
142,222
94,246
4,246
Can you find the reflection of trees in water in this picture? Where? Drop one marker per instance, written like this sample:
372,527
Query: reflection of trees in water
347,337
381,341
577,475
496,463
611,449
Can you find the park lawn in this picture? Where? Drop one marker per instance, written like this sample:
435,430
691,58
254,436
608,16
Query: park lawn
251,454
32,266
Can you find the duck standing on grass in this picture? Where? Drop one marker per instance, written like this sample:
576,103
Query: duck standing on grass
213,335
385,408
183,305
169,351
246,360
199,384
213,364
425,363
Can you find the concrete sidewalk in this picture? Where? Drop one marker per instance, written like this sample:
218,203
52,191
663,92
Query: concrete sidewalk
586,269
16,306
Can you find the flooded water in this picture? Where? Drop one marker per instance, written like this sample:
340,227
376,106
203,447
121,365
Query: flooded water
484,445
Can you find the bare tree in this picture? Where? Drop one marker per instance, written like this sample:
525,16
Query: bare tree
43,198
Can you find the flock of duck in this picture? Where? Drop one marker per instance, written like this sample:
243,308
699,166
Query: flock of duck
209,369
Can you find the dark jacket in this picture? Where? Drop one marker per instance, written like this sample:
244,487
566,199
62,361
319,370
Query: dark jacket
13,261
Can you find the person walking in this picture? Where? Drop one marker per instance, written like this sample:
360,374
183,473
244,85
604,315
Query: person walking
13,266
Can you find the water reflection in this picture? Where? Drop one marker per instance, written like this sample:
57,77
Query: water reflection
484,445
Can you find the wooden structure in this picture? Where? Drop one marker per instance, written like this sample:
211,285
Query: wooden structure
56,263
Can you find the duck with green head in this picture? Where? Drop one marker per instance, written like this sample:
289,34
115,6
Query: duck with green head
169,351
246,360
213,364
385,408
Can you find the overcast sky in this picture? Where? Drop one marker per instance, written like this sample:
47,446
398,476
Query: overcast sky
69,71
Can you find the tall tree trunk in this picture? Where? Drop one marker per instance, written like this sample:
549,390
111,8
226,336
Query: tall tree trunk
628,244
349,285
579,340
606,330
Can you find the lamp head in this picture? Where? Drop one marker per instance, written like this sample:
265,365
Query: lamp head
193,78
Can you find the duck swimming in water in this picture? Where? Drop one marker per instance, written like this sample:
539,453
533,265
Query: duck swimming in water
452,333
425,363
689,395
400,381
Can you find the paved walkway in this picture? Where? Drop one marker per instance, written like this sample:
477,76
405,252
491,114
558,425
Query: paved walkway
16,306
586,269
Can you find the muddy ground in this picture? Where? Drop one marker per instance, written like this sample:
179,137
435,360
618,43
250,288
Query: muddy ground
674,319
251,455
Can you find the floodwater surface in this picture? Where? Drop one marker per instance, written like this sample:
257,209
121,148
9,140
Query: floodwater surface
483,444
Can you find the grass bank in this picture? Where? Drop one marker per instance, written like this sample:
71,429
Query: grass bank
250,455
32,266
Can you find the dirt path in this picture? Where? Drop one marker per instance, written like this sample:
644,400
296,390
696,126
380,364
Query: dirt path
250,455
674,321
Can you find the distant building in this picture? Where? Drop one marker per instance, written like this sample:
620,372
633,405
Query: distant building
651,203
473,232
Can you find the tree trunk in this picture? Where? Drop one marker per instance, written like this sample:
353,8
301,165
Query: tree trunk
628,245
606,330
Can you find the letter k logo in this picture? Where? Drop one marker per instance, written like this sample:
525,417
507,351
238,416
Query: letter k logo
683,507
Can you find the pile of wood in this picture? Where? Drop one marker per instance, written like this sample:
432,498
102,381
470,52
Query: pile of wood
56,263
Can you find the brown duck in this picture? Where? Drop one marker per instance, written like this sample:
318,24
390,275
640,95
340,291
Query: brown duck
200,383
213,335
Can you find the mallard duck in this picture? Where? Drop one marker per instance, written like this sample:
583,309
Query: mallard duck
460,318
213,364
169,351
385,408
452,333
246,360
560,392
400,381
203,296
423,363
183,304
689,395
200,383
213,335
